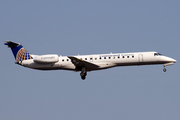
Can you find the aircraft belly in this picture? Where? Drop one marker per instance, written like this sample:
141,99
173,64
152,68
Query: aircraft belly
107,65
55,66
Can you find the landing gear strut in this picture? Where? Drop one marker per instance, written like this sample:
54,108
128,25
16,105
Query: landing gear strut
167,65
83,73
164,68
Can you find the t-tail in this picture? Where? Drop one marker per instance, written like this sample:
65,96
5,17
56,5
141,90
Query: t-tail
19,52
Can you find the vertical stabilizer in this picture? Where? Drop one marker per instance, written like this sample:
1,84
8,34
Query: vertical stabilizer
19,52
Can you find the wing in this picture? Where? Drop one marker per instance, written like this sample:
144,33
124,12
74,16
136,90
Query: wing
81,63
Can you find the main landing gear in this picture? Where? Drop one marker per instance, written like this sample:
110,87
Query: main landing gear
83,73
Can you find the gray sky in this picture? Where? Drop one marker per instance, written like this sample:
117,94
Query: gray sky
90,27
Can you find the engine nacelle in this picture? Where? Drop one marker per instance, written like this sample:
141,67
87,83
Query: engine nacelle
46,59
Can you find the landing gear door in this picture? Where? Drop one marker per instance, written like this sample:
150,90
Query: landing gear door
140,58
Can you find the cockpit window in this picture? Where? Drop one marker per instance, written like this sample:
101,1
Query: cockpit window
157,54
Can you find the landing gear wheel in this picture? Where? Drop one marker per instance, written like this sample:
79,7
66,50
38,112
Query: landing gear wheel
83,77
164,69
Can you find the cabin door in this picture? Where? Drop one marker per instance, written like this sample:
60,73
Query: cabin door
140,57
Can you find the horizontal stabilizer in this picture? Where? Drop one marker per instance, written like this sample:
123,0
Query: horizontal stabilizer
11,44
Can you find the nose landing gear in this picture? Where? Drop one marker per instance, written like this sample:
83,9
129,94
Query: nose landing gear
167,65
164,69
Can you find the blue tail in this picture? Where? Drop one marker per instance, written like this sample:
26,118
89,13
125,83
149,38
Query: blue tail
20,53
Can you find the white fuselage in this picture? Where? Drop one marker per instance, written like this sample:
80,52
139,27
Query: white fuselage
85,63
102,60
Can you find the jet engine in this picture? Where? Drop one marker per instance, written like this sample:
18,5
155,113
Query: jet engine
52,58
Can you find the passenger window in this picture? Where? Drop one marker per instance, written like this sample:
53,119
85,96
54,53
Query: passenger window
67,59
95,58
114,57
104,57
118,57
85,58
100,58
109,57
123,57
132,56
127,56
63,60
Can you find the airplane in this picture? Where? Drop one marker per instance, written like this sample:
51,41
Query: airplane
86,63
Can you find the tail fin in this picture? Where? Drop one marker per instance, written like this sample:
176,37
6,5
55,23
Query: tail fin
20,53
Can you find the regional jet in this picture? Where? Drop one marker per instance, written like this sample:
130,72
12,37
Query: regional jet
86,63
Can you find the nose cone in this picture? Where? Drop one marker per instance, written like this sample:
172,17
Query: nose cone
174,60
168,59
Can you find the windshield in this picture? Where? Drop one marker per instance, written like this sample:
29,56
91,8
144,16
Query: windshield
157,54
